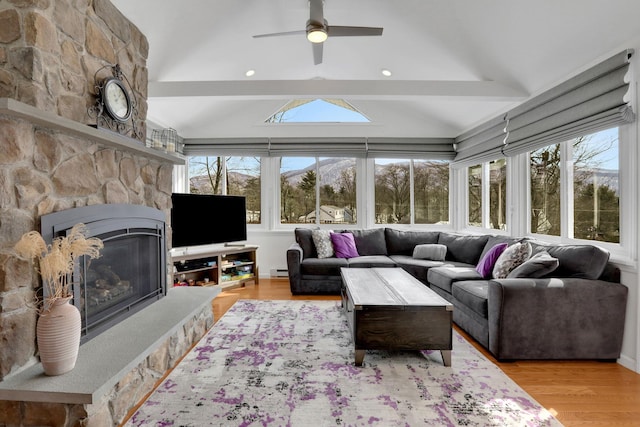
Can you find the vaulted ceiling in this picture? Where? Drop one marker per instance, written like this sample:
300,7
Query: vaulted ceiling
454,63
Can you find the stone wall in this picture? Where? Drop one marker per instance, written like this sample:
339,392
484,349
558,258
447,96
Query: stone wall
50,51
49,54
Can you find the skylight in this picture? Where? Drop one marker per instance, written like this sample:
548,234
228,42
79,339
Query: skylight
318,111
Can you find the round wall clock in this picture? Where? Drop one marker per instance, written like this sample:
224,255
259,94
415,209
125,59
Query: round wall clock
116,100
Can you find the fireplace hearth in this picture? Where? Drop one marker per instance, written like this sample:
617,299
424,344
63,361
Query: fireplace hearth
130,273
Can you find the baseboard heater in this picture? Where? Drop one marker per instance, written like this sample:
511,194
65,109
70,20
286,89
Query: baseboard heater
279,272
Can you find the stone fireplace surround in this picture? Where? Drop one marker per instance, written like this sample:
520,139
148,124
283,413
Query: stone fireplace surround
51,53
116,369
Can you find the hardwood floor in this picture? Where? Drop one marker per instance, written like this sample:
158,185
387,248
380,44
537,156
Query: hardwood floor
578,393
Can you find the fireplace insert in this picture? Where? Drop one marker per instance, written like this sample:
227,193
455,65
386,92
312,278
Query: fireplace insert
131,271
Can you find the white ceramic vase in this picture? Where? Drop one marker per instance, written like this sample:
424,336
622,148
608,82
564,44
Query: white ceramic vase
58,334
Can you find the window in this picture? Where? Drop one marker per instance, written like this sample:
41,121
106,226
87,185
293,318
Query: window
487,195
431,188
596,197
544,171
318,111
591,196
239,176
317,190
475,196
498,194
411,188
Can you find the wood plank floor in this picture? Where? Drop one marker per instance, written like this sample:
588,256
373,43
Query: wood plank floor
578,393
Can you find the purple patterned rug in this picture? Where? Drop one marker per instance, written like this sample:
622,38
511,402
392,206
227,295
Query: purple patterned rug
290,363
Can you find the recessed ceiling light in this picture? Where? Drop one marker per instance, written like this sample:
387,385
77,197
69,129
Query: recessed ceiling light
250,73
386,73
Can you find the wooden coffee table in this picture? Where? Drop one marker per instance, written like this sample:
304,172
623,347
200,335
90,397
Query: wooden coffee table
388,309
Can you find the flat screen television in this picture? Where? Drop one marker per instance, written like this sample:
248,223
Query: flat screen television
203,219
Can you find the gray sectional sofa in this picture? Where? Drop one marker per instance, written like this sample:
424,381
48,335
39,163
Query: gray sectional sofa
575,312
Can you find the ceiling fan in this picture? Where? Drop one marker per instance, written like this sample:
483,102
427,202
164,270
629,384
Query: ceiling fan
318,30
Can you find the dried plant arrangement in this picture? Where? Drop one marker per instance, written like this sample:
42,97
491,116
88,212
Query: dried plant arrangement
56,261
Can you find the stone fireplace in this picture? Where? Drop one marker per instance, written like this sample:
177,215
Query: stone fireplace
53,161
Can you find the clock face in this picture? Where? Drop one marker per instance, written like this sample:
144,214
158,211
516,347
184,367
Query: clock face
116,100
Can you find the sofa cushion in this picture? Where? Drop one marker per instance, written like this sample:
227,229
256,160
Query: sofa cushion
512,257
416,267
443,277
322,241
370,242
538,265
580,261
344,245
463,248
304,239
432,251
323,266
488,260
403,242
369,261
473,294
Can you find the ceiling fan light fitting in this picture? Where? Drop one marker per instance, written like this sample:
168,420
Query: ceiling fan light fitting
316,32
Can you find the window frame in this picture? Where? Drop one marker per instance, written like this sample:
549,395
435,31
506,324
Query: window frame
371,206
624,251
485,205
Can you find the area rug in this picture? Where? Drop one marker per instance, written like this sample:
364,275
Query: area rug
291,363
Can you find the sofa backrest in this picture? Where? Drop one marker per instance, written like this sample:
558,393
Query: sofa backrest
580,261
304,239
463,247
495,239
403,242
369,242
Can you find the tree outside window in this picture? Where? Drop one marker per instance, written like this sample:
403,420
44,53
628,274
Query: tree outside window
238,176
498,194
431,191
392,191
333,179
475,195
395,191
596,192
544,171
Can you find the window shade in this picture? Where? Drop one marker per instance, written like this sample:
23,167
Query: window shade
593,100
430,148
480,144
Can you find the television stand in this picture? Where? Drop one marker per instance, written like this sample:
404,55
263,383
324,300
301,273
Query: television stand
214,265
235,245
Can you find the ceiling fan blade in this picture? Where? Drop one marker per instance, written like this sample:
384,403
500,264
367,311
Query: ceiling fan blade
342,31
317,53
286,33
316,13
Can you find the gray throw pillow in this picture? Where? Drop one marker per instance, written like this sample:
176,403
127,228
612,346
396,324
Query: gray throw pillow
430,251
538,265
322,240
512,257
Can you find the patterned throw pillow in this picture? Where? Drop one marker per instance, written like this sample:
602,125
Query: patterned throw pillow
512,257
322,240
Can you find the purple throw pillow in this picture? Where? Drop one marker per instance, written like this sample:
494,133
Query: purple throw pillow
485,266
344,245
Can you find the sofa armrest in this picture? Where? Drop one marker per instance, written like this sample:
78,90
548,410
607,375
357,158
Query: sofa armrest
556,318
294,261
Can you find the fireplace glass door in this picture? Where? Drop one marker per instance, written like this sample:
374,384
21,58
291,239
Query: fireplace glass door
126,274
